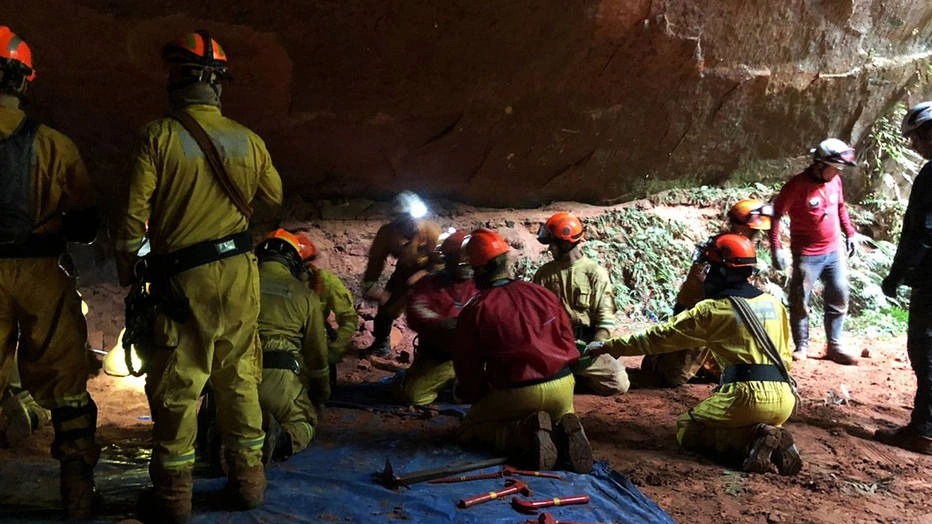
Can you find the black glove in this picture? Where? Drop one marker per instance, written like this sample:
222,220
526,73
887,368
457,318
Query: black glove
851,246
890,285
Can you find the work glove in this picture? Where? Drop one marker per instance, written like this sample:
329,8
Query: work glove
851,246
595,349
780,260
890,285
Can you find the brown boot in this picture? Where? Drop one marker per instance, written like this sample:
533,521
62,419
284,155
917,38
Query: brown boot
905,437
539,449
786,456
766,439
78,493
245,489
169,500
573,444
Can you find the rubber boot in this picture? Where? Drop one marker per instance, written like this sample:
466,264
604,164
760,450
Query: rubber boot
78,493
245,488
169,501
538,450
573,444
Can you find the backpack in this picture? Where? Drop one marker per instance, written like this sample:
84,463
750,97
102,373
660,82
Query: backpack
17,152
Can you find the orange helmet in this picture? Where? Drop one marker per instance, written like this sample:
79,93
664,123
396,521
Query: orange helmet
561,226
307,250
15,62
752,213
483,245
195,57
282,245
731,250
453,244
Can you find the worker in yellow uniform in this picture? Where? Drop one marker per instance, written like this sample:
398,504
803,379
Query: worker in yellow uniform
584,288
295,375
741,422
202,268
335,300
412,242
748,217
46,201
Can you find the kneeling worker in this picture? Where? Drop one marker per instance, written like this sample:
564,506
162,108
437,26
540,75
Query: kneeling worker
741,421
512,355
295,375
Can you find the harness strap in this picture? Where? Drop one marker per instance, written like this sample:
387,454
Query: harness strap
199,254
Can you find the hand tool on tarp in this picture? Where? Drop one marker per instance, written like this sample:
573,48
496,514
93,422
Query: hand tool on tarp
389,479
507,471
512,486
547,518
531,506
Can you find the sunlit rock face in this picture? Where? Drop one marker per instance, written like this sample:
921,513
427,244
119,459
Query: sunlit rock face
502,103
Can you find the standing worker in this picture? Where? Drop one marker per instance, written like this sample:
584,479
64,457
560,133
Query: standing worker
512,355
412,242
295,376
912,265
814,200
434,303
585,290
193,176
747,217
47,200
741,423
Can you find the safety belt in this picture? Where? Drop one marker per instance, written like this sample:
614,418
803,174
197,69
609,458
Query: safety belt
764,342
213,158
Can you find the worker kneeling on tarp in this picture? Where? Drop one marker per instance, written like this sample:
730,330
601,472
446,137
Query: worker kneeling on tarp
748,333
512,354
295,375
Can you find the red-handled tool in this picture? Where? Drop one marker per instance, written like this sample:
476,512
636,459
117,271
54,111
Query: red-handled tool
509,471
512,486
547,518
531,506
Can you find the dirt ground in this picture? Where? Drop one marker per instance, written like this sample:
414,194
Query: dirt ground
847,477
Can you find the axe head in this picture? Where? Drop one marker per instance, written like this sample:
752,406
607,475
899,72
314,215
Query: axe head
388,478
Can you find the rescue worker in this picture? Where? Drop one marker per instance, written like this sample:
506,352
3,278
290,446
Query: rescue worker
335,299
912,265
512,355
411,241
741,422
434,302
203,270
295,375
814,201
47,200
585,290
747,217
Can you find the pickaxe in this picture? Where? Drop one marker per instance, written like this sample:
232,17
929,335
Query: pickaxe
531,506
547,518
388,478
512,486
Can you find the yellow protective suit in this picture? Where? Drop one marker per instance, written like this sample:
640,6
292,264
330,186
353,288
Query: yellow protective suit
584,288
723,423
39,303
290,319
172,186
337,300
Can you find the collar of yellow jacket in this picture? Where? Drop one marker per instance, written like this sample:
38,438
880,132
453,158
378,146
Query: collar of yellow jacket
9,120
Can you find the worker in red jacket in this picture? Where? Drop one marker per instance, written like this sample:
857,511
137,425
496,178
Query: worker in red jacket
512,355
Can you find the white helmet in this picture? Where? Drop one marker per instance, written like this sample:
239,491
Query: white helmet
918,115
834,151
408,203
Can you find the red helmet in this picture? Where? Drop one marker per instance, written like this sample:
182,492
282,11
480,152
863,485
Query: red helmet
483,245
453,244
561,226
15,61
195,57
306,250
731,250
752,213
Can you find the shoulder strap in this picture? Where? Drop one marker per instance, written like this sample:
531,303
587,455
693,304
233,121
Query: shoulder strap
213,158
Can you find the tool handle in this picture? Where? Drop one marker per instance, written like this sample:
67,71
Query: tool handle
511,472
485,497
466,478
546,503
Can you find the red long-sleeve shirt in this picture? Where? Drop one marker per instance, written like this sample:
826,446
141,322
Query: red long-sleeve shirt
509,335
432,302
817,214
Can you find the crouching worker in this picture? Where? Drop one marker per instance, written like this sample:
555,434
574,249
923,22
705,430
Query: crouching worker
295,376
434,303
512,354
747,332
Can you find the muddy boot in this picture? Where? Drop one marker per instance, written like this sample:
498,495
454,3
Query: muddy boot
78,493
169,500
245,489
838,355
539,452
573,444
801,352
906,437
272,434
765,440
786,456
284,447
